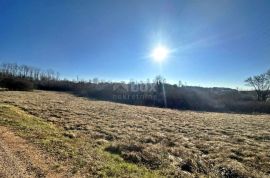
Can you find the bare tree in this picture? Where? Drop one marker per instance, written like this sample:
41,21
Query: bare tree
261,85
36,73
95,80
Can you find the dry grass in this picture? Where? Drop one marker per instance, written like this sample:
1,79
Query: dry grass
177,143
74,154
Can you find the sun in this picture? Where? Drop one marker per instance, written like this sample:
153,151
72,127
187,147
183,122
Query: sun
160,53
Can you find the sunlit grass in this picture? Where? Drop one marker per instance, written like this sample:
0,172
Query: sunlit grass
73,152
170,142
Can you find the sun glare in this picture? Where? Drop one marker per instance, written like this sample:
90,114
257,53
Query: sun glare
160,53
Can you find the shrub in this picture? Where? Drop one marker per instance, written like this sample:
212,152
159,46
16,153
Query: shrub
17,84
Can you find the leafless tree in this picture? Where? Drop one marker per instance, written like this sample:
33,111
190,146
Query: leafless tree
24,71
261,84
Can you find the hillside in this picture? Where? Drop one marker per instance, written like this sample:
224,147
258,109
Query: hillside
105,139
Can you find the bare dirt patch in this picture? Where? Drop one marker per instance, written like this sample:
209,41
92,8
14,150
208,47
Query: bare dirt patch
18,158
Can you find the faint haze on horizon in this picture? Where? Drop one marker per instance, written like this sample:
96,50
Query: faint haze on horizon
213,43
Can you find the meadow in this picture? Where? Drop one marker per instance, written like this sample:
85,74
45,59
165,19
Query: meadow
105,139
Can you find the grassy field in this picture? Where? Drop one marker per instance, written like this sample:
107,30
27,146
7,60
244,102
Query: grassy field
104,139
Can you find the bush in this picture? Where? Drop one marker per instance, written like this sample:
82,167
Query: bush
17,84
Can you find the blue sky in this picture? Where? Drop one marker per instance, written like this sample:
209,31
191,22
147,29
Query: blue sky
214,43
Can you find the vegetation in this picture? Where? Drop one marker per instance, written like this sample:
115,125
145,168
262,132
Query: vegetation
155,93
113,139
261,84
75,152
17,84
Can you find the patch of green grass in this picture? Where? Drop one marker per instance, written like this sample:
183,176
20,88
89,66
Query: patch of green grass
75,151
46,135
35,129
117,167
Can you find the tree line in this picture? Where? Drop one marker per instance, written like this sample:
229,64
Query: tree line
24,71
157,93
